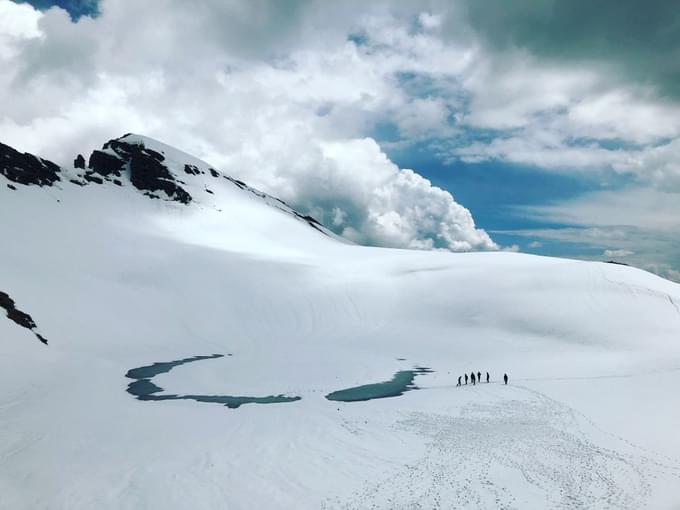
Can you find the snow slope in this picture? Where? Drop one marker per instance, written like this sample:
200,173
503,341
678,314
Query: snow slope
116,280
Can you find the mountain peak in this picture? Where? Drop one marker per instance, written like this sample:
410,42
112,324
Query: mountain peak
143,165
157,170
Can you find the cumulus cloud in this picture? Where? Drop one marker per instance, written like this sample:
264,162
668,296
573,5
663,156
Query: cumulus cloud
404,209
256,88
288,96
17,23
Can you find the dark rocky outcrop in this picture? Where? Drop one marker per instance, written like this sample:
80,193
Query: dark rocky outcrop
121,160
311,220
145,166
26,168
21,318
93,178
149,174
191,169
79,162
105,164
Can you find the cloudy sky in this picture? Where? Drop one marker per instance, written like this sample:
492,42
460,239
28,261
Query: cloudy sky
549,127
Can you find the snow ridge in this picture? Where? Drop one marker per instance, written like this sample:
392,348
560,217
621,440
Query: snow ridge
157,170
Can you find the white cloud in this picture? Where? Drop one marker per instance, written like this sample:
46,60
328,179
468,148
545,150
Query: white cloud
404,209
263,90
617,253
646,209
18,23
511,90
640,224
567,117
422,117
280,95
623,114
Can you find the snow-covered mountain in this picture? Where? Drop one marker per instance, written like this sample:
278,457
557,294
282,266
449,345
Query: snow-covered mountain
254,314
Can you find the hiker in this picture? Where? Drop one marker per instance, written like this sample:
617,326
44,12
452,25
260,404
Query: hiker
458,381
466,379
505,378
479,376
487,377
472,377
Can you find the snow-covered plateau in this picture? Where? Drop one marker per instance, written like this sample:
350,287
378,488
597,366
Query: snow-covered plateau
144,255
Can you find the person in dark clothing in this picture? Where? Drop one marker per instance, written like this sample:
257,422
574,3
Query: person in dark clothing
487,377
466,379
505,378
479,376
458,381
472,377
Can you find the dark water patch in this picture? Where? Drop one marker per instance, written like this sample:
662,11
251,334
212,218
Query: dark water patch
143,389
150,371
402,382
230,401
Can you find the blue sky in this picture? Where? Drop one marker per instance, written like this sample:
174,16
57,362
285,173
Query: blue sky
561,137
492,190
497,192
76,8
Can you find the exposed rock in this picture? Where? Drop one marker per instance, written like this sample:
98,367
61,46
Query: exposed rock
105,164
93,178
79,162
146,169
238,183
21,318
123,149
616,262
155,155
191,170
26,168
312,222
148,173
119,160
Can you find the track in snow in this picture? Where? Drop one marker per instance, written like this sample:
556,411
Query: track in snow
511,454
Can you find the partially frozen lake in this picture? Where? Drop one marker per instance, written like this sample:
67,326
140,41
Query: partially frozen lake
143,389
400,383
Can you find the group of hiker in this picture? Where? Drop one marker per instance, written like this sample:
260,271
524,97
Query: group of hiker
477,378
